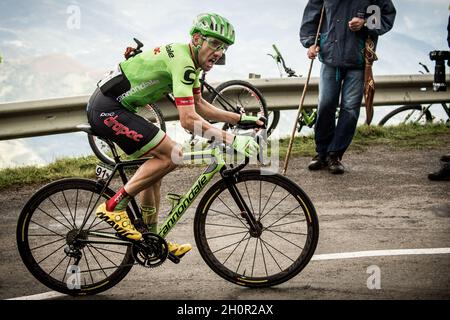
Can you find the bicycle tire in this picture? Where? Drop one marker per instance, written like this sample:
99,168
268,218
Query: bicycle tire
101,149
394,113
35,221
240,94
210,223
274,119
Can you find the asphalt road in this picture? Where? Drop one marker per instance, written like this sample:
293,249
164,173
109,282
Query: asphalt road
383,202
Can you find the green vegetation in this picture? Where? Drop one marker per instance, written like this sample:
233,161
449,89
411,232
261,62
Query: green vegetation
407,137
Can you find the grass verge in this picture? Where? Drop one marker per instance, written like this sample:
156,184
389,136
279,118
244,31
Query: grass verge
404,137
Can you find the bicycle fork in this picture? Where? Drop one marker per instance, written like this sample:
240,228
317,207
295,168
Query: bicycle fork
256,227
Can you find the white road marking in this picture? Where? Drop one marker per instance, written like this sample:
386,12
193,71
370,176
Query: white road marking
316,257
41,296
379,253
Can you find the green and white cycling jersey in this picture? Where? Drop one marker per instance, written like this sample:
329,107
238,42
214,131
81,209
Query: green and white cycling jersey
156,73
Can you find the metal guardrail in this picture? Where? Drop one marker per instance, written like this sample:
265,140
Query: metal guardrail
43,117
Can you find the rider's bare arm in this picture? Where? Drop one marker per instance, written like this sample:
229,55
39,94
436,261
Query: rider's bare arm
210,112
192,121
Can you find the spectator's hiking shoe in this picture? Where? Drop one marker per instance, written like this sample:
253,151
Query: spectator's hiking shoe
445,158
442,175
317,163
119,221
179,250
334,164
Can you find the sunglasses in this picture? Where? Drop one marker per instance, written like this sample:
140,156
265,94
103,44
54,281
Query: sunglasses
215,44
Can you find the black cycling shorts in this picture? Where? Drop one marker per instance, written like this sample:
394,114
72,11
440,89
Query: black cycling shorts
132,133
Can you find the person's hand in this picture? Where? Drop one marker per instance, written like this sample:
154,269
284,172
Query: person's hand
249,122
313,51
246,145
128,52
356,24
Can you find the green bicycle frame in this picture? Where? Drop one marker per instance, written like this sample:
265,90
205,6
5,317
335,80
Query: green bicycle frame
184,203
177,211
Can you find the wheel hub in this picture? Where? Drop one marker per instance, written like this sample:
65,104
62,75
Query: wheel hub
256,233
73,237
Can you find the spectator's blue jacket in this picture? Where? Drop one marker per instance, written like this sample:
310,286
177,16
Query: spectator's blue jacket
339,46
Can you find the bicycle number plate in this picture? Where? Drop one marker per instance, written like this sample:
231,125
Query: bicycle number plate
103,172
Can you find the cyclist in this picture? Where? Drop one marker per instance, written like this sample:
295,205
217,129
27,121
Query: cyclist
143,79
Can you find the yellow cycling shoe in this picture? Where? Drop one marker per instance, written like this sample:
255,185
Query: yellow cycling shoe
119,221
179,250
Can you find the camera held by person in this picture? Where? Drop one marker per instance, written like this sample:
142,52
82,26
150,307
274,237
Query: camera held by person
440,57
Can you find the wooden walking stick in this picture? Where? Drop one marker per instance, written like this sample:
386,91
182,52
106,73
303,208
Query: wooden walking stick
302,99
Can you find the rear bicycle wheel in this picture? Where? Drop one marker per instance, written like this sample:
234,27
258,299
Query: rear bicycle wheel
407,115
285,246
236,96
47,226
102,151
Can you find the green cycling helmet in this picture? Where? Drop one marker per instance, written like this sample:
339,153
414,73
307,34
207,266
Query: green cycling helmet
211,24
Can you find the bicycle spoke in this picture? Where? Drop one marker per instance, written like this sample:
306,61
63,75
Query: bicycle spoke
262,211
237,245
93,220
67,268
285,239
68,208
224,225
76,207
105,228
225,214
249,198
270,253
283,216
52,253
92,254
227,235
233,213
62,236
45,235
275,206
242,257
87,265
50,216
57,208
86,214
264,258
267,243
227,246
108,250
283,224
64,258
260,197
46,244
254,256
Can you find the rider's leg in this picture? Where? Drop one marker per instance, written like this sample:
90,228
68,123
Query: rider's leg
150,200
165,158
114,210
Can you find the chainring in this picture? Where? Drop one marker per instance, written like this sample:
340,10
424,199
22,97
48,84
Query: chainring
152,251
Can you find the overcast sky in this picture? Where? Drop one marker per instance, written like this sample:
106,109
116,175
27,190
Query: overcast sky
105,27
58,37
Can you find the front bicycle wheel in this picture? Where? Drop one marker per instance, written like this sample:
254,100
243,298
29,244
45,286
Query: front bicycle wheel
290,230
150,112
47,227
406,115
239,96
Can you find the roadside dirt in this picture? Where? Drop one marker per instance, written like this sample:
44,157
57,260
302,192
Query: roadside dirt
383,201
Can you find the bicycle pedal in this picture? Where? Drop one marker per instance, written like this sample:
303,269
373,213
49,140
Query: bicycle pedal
173,258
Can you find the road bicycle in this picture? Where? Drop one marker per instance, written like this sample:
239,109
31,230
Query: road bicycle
235,96
413,113
307,117
252,229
